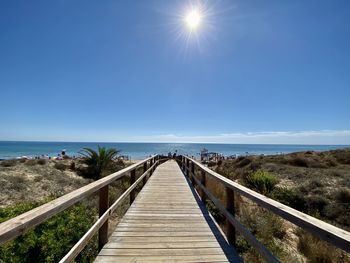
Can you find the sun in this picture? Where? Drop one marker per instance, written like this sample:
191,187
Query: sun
193,20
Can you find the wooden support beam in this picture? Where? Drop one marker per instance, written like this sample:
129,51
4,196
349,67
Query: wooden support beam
150,165
192,174
132,180
103,206
230,207
144,181
203,182
187,167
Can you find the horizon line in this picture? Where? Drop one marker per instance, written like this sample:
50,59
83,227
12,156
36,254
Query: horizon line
304,137
150,142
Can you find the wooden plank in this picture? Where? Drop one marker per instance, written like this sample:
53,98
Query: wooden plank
151,224
162,234
164,225
164,239
162,245
155,259
161,252
202,229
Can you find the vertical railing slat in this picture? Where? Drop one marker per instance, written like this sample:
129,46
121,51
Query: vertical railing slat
144,180
132,180
103,206
203,182
230,206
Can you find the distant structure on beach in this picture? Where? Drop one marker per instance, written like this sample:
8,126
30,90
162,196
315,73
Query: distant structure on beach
207,156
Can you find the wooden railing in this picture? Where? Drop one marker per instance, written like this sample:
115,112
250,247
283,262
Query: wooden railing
336,236
22,223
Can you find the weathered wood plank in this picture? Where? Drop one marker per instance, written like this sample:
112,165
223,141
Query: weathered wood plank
158,245
166,223
165,239
156,259
161,252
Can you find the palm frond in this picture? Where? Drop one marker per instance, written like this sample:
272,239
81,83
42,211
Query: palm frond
99,160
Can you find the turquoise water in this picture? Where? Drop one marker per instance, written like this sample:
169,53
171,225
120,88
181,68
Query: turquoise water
10,150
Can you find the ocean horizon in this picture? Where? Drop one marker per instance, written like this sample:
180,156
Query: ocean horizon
140,150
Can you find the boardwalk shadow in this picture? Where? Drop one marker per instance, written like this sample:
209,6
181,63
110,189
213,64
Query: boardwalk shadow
229,251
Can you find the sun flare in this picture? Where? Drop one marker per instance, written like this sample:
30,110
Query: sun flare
193,19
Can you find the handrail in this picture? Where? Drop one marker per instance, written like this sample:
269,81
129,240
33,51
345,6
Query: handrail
79,246
16,226
334,235
263,251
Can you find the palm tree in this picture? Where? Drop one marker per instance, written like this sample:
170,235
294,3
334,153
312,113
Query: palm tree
98,160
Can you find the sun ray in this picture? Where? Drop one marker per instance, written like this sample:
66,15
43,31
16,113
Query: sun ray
194,27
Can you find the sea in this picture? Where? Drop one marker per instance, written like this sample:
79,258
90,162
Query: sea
137,151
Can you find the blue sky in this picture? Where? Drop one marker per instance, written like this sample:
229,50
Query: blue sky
254,72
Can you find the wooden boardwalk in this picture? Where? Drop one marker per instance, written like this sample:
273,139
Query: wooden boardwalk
167,223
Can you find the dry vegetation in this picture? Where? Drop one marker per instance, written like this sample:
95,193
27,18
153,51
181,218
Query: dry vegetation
26,184
317,183
36,180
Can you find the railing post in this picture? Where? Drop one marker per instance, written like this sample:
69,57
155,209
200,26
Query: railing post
230,206
187,167
132,180
192,173
103,206
150,165
203,182
144,180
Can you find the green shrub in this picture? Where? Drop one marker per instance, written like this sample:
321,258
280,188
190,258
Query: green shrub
316,250
343,196
290,198
72,166
227,169
298,161
261,181
211,163
244,162
333,210
8,163
268,228
269,225
342,156
60,166
315,183
215,212
51,240
316,204
30,162
65,157
41,161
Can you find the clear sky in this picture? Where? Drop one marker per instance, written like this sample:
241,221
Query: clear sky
252,72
